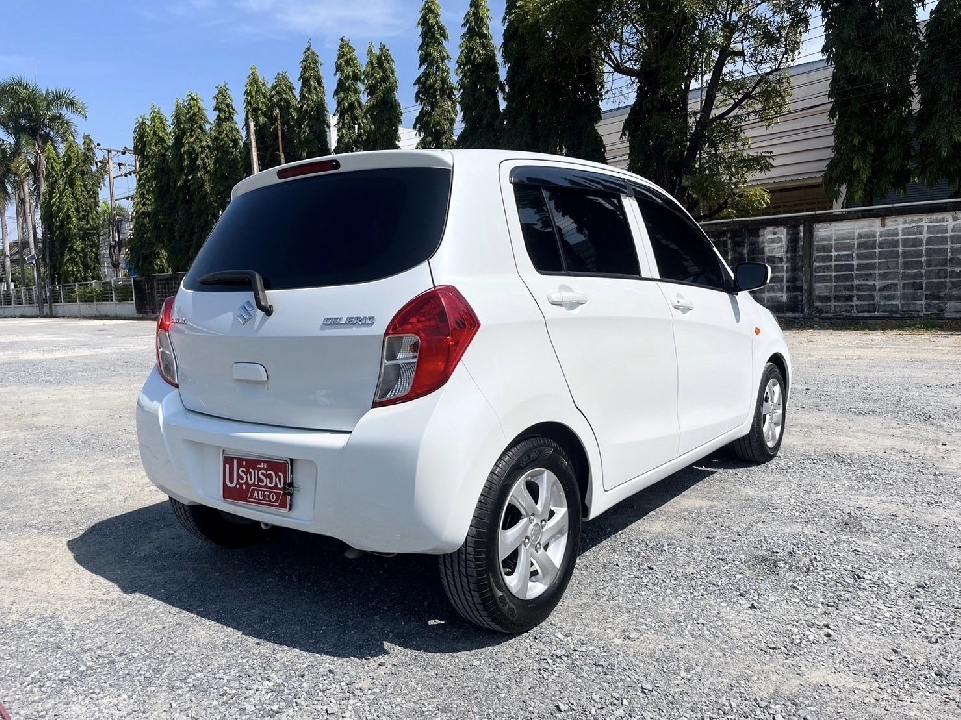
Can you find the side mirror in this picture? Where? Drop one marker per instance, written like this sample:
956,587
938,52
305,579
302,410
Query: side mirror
752,275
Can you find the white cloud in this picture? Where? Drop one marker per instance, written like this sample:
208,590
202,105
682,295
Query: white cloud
320,19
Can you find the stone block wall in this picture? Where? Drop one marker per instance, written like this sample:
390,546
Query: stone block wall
898,261
893,266
780,247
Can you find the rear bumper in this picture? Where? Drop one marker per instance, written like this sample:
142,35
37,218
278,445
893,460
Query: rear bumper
405,480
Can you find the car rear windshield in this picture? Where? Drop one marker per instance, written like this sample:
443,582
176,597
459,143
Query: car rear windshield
338,229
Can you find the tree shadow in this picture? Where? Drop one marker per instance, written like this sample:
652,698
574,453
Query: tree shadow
298,590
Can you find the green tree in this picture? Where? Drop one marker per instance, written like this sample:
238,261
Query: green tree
35,118
227,147
526,126
479,81
195,211
8,155
153,198
70,211
434,91
554,89
382,112
873,45
939,90
349,105
257,107
313,122
740,49
283,104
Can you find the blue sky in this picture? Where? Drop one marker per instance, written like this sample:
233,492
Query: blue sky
120,57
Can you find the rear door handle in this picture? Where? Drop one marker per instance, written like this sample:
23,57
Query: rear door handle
567,298
682,303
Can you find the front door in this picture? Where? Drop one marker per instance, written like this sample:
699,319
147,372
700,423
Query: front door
714,339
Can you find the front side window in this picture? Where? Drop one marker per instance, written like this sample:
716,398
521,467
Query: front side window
576,232
682,253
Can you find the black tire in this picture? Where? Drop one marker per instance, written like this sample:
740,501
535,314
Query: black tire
473,576
219,528
753,447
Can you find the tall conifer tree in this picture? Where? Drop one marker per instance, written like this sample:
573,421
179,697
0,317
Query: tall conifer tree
257,107
195,211
553,99
70,207
939,88
227,145
434,88
873,45
283,98
382,112
526,126
349,104
152,199
479,80
313,121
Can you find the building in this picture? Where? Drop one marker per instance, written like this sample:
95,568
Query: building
801,144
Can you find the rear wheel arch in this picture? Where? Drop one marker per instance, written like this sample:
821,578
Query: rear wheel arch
575,449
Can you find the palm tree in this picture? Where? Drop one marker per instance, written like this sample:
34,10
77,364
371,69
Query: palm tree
7,155
37,117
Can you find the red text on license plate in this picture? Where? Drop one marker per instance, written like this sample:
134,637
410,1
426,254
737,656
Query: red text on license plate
257,481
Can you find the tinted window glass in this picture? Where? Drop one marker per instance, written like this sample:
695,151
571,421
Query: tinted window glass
594,234
682,254
538,229
339,229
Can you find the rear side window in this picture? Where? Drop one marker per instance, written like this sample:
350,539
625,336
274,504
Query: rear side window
594,235
337,229
682,253
538,229
576,232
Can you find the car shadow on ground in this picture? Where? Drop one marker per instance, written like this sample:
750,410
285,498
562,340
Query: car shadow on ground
299,591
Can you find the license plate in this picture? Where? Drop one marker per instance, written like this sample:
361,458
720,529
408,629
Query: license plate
257,481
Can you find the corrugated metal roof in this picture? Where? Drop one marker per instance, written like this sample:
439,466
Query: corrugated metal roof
801,141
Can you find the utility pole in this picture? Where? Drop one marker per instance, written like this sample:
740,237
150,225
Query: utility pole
280,139
254,164
113,210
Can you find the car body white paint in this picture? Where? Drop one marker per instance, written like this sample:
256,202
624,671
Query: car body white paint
407,477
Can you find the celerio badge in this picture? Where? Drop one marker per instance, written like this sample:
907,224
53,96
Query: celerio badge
351,321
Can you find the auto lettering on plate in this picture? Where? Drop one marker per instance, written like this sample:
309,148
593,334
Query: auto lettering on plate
257,481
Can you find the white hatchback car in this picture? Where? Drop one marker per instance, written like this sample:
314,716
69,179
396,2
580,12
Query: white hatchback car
461,353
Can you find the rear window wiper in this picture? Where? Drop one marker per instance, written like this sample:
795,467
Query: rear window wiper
242,277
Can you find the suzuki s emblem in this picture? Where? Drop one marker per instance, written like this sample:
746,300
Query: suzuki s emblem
246,312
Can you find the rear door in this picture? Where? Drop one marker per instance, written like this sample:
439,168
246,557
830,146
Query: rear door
340,253
714,339
611,328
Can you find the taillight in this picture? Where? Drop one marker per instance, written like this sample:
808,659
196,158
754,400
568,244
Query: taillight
423,344
166,360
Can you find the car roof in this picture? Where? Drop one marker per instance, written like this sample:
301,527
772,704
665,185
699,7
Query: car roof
370,160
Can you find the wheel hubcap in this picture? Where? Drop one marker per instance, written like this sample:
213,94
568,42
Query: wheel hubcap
772,413
533,534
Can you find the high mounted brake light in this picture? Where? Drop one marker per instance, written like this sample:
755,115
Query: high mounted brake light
310,168
166,360
423,344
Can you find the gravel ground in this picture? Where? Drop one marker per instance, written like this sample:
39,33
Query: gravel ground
826,584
